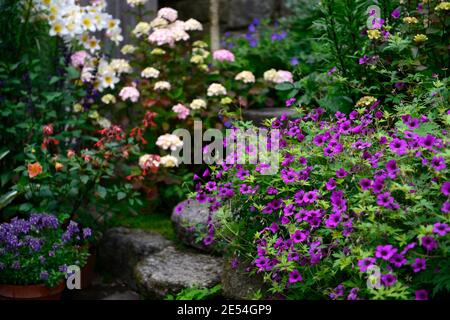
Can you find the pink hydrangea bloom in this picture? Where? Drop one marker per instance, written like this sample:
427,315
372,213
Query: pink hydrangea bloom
223,55
181,110
168,13
285,76
130,93
78,59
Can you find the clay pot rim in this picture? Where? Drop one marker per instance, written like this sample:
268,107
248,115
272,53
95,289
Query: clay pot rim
32,291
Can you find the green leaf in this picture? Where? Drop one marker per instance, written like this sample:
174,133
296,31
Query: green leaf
53,80
73,73
284,86
8,198
25,207
84,179
101,192
3,154
121,195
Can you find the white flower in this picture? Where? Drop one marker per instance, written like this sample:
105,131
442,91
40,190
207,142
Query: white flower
150,73
130,93
162,85
181,110
169,161
108,98
270,75
158,23
193,25
142,28
88,24
133,3
246,77
58,28
128,49
216,89
279,76
104,123
92,45
198,104
108,80
148,161
168,13
284,76
70,20
121,66
169,141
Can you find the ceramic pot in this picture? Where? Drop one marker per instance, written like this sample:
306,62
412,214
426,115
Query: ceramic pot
31,292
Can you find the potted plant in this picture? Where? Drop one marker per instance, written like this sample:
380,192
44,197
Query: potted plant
35,254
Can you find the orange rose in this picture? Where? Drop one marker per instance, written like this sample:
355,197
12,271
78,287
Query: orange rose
34,169
59,166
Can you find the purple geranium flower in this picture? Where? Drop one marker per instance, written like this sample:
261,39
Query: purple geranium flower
419,264
396,13
365,263
429,243
385,252
364,59
446,207
445,189
331,71
421,295
290,102
385,200
341,173
295,276
299,236
310,196
333,220
388,280
398,146
211,186
353,295
438,163
441,228
365,183
398,260
331,184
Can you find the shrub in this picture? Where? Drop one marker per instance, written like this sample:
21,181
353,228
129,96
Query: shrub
38,250
354,191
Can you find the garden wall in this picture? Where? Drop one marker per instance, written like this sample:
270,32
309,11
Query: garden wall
234,14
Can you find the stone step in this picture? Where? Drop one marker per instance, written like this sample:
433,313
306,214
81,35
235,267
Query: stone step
170,271
189,219
121,249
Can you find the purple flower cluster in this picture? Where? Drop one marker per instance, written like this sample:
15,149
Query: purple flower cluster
318,201
32,248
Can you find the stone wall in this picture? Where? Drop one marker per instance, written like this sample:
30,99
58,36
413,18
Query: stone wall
234,14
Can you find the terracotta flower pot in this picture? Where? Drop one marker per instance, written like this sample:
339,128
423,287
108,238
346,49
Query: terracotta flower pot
31,292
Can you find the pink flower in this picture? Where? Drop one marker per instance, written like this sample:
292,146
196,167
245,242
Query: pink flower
181,110
223,55
78,59
168,13
130,93
285,76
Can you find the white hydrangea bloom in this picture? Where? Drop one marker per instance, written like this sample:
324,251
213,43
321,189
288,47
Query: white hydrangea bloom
246,77
169,141
216,89
169,161
198,104
162,85
150,73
